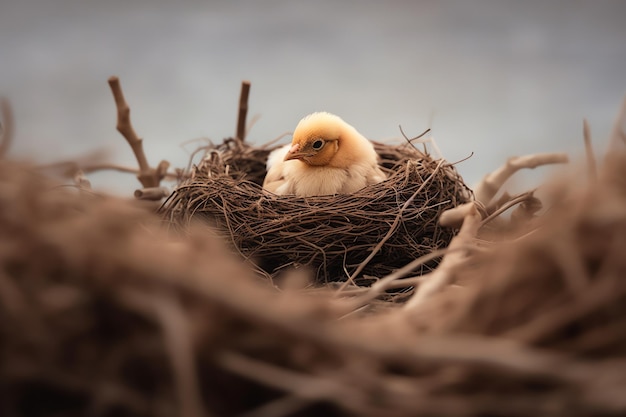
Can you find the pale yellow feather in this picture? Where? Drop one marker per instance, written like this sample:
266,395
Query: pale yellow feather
346,164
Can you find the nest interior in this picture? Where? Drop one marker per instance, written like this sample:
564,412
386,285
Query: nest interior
395,221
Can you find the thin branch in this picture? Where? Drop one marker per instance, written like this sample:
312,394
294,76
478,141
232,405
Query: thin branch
124,125
243,110
526,210
454,217
388,282
161,170
147,176
493,182
152,193
430,140
447,269
6,127
591,158
69,168
512,202
410,140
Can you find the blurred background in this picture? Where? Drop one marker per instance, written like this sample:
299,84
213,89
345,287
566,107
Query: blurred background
494,78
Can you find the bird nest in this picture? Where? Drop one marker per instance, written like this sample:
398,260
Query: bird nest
102,313
358,236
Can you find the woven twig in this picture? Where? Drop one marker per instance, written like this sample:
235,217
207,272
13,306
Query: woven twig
332,235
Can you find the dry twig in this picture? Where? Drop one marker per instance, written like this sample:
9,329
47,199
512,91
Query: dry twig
493,182
449,266
152,193
243,110
388,281
148,176
512,201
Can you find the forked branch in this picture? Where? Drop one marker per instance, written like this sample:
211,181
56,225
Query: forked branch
147,176
493,182
447,270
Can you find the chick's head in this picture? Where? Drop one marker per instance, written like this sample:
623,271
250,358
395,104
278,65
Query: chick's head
316,139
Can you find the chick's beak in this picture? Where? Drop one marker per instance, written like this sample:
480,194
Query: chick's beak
294,152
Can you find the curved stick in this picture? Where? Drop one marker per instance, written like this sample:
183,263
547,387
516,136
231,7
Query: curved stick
493,182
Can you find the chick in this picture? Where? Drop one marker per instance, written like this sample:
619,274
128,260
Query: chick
326,156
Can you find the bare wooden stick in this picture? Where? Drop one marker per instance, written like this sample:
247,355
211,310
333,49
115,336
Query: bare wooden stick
493,182
69,169
526,210
147,176
447,269
152,193
393,280
243,110
454,217
124,125
591,158
161,170
504,207
6,127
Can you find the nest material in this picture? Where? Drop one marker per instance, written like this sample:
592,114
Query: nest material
565,287
101,313
333,235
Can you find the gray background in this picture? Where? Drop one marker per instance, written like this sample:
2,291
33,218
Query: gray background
497,78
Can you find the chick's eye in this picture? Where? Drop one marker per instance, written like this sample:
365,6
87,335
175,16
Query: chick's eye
317,145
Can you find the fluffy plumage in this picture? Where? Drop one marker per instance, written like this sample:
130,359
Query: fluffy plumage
326,156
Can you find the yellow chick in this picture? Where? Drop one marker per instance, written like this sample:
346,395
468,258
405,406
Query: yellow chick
326,156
